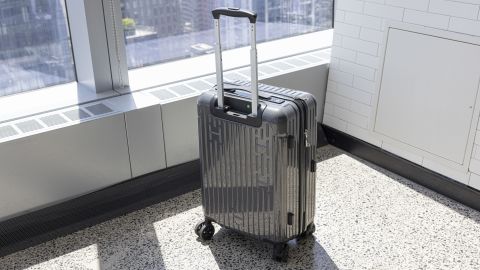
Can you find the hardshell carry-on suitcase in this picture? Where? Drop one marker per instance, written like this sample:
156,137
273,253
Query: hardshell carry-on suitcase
257,150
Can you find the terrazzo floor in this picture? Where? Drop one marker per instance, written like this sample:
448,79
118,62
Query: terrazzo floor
367,218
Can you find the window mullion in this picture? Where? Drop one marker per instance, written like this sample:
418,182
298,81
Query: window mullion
90,46
116,43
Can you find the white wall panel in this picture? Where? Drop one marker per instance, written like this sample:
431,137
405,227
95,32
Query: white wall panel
425,99
145,140
180,123
47,168
351,85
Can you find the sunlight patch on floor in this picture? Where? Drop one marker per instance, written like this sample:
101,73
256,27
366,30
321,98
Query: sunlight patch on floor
84,258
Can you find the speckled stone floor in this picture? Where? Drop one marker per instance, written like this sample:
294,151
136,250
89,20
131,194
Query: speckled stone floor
367,218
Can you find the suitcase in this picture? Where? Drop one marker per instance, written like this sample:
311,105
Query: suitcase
257,153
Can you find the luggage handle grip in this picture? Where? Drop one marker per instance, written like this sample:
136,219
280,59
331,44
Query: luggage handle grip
252,16
234,12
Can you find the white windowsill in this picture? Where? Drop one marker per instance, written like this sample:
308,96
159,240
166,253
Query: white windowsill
71,94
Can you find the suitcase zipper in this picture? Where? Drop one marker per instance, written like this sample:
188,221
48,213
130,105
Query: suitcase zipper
302,106
303,166
302,160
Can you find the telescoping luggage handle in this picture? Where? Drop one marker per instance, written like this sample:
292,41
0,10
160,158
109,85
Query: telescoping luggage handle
252,16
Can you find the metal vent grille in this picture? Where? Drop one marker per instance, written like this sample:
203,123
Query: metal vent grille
200,85
247,73
281,65
29,126
7,131
77,114
182,90
324,55
267,69
212,80
267,88
99,109
309,58
296,62
53,120
50,120
234,77
163,94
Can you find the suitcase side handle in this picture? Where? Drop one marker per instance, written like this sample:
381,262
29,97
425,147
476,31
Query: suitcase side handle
252,16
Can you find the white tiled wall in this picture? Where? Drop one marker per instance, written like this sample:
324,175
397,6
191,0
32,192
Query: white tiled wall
359,26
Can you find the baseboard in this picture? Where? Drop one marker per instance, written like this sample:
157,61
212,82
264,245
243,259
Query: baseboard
321,136
425,177
65,218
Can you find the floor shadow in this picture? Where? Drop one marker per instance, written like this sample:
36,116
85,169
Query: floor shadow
236,251
460,208
126,242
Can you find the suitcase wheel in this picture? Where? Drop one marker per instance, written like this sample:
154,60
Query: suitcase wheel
308,232
204,230
280,252
198,227
310,229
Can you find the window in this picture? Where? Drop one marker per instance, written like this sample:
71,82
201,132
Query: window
35,49
159,31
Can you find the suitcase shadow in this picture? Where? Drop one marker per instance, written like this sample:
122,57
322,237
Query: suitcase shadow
236,251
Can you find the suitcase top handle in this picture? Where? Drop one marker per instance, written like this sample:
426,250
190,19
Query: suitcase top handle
252,16
235,12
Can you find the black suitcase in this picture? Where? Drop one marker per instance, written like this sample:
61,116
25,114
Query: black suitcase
257,150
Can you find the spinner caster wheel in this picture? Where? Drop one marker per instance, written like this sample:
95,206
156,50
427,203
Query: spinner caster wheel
310,229
308,232
198,227
205,230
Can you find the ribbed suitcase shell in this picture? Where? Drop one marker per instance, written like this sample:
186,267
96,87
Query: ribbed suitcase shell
255,177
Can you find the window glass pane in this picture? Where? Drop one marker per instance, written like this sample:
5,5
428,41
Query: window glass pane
35,49
164,30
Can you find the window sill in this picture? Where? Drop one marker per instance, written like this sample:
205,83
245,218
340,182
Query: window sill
49,99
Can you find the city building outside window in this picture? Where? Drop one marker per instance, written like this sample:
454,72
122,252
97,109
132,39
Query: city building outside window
35,48
158,31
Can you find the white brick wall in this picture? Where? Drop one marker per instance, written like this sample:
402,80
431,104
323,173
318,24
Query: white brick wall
359,26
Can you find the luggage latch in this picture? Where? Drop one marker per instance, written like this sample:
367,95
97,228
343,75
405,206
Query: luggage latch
290,218
313,166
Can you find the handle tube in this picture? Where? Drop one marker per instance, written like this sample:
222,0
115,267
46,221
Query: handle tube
219,65
253,68
252,16
234,12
